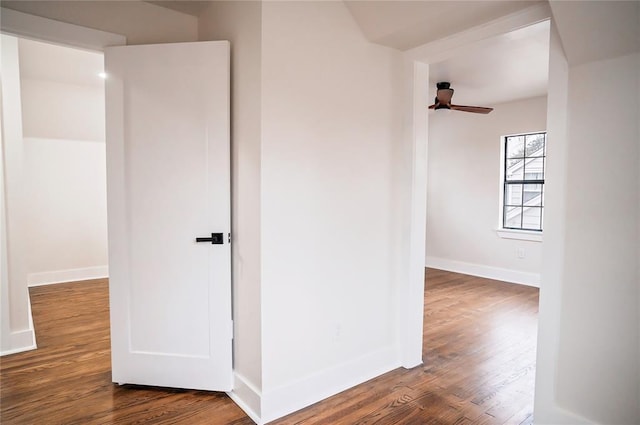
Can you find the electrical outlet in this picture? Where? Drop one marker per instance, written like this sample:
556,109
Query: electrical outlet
520,253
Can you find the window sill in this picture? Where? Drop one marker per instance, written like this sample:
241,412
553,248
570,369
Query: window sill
523,235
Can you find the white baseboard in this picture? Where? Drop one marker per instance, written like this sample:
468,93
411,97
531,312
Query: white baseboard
497,273
312,389
23,340
70,275
556,415
290,398
247,397
20,341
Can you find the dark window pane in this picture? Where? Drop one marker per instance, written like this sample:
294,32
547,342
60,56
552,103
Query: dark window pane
515,147
513,194
533,176
534,145
513,217
515,169
532,194
534,166
531,218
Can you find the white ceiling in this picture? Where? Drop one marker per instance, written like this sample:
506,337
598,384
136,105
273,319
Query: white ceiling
500,69
406,24
193,8
509,67
50,62
597,30
504,68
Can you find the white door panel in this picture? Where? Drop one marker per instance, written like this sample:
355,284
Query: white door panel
168,170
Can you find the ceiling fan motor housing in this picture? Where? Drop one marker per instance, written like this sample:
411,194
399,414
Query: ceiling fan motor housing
440,105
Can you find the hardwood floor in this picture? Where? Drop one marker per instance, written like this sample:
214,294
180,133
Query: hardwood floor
67,380
479,364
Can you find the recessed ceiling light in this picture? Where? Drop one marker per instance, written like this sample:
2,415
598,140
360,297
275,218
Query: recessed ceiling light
102,75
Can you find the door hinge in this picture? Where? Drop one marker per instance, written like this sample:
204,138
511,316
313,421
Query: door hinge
231,330
229,237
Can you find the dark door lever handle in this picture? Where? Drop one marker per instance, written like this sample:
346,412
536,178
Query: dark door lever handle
215,239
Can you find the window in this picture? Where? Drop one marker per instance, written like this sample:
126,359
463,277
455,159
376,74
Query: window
523,165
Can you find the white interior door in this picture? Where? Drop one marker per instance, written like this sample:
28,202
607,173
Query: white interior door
168,171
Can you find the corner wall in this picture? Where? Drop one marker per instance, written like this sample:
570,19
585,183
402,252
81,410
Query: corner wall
464,189
588,364
17,328
598,358
315,119
331,116
64,111
241,24
65,210
64,176
546,411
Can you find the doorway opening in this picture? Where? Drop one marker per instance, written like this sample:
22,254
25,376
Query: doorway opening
15,25
508,72
64,164
464,250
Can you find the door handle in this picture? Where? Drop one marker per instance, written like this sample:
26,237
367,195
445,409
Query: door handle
215,239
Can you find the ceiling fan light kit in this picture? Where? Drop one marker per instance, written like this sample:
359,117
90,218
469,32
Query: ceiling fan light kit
443,101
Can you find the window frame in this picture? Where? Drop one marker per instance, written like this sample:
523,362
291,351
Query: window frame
520,233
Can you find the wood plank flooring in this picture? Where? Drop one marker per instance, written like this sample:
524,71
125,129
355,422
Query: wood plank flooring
479,364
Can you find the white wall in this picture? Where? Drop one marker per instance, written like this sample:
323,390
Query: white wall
598,359
240,23
330,118
546,410
65,172
56,110
5,312
65,209
17,328
588,343
315,118
464,188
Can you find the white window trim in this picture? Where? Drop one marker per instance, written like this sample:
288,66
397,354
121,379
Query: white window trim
523,235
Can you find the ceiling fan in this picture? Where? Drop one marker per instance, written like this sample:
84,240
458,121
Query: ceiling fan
443,101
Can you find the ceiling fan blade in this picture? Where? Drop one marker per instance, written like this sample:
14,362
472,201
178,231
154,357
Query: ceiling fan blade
475,109
444,96
433,106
